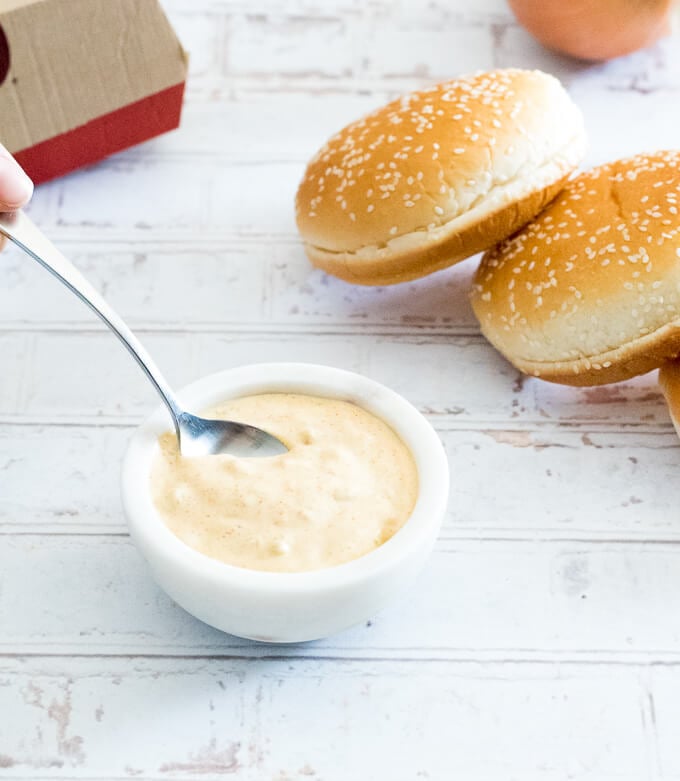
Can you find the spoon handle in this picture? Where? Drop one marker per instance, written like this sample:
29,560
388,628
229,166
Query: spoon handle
17,227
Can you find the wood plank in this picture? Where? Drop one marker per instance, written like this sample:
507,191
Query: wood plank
15,367
148,286
299,44
634,496
353,49
173,197
61,478
664,706
83,719
178,196
442,375
210,719
359,47
308,297
238,283
475,600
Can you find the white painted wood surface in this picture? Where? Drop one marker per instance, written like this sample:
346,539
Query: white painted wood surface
542,641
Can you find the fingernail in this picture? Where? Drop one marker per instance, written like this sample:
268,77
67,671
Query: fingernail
15,187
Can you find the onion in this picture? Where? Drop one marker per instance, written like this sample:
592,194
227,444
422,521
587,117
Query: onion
594,29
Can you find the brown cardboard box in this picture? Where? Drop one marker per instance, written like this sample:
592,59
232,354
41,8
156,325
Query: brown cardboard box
81,79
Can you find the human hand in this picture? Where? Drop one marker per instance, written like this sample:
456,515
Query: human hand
16,188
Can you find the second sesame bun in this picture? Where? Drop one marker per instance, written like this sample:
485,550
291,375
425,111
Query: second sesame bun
589,292
669,380
438,175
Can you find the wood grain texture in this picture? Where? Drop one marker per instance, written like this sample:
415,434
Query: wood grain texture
78,490
462,377
543,639
423,721
476,600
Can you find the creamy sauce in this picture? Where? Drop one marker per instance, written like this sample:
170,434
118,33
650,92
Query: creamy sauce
346,485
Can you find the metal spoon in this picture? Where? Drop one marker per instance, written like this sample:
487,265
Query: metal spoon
196,436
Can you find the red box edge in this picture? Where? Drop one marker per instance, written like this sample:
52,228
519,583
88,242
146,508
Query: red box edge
103,136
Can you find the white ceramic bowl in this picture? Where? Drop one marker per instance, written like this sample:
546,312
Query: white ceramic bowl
288,607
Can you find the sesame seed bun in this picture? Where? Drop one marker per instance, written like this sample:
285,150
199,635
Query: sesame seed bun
589,292
438,175
669,380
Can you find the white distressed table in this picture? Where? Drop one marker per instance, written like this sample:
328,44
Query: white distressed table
543,639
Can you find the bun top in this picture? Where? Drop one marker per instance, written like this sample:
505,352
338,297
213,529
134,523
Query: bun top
432,155
594,281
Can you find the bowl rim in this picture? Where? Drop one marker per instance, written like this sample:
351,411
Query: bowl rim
149,530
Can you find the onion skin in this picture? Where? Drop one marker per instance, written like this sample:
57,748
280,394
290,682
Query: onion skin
594,29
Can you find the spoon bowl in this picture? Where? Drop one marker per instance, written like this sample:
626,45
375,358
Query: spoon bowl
205,437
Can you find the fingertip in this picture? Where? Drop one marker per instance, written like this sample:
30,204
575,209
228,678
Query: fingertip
16,188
